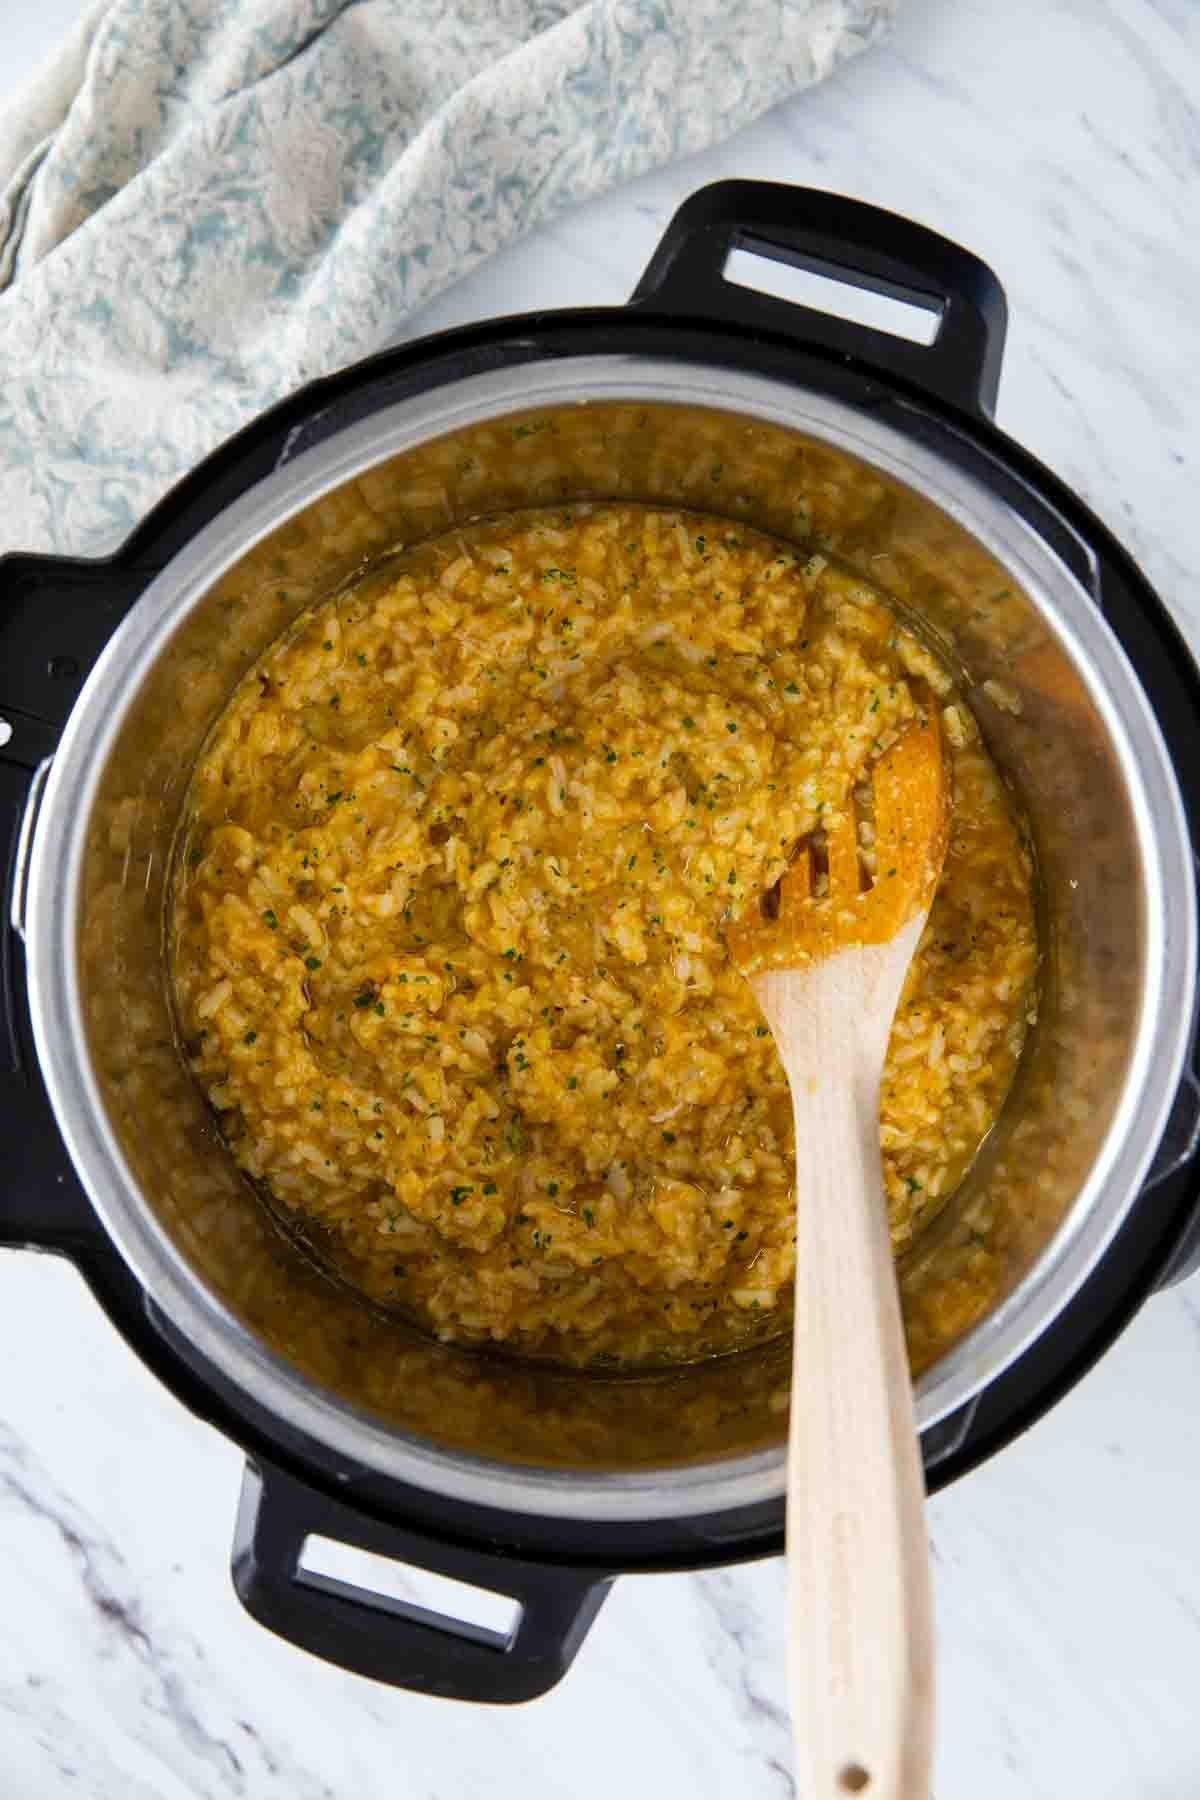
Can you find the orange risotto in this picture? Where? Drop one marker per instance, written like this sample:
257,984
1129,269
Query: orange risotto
448,929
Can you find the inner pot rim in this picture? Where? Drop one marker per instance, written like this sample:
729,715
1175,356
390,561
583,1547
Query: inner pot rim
55,886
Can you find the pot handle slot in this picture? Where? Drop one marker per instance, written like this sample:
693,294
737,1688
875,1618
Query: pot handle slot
396,1640
859,246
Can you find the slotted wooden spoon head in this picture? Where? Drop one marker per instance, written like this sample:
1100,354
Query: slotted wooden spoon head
830,899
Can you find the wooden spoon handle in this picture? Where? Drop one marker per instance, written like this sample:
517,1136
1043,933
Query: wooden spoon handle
859,1603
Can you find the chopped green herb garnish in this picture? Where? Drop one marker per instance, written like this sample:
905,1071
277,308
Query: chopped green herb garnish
514,1137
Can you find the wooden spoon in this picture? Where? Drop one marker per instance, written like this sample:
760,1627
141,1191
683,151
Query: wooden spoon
827,970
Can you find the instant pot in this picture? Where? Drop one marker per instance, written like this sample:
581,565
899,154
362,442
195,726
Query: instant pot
541,1483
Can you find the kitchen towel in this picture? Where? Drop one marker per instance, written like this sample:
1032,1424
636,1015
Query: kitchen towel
205,203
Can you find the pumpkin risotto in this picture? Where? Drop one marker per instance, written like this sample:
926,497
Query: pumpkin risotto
447,927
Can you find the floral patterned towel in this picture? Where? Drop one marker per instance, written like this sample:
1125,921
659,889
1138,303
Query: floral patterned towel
204,203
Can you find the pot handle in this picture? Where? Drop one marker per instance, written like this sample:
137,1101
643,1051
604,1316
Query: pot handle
56,615
392,1640
859,245
42,1205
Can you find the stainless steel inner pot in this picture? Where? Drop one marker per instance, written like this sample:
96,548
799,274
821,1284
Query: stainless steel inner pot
1066,719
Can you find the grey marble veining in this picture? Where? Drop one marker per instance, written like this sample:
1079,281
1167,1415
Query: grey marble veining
1060,139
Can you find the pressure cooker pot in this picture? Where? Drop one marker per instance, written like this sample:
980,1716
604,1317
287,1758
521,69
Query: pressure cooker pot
543,1482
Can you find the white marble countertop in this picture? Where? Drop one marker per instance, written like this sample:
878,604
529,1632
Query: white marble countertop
1059,139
